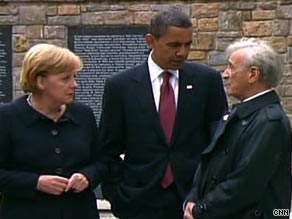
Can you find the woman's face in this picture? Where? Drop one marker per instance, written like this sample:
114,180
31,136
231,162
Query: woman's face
58,87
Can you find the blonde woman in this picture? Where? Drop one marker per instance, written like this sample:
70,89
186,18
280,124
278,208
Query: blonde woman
49,152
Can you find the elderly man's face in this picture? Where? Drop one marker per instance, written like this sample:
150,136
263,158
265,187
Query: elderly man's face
236,75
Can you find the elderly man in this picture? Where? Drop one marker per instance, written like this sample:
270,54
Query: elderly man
245,170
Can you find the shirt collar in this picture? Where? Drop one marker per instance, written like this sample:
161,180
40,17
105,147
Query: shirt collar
257,95
155,70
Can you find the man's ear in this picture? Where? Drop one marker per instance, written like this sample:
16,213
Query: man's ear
254,74
150,40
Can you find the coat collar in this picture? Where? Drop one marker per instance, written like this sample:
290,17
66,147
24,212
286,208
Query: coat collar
246,108
30,115
242,110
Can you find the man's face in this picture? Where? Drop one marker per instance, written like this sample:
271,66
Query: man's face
172,49
236,76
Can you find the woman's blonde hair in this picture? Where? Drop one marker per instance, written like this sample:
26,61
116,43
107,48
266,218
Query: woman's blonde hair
45,59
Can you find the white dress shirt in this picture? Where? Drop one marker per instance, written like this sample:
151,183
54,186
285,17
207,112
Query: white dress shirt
156,80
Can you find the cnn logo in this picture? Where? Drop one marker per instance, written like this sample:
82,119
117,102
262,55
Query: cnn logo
281,212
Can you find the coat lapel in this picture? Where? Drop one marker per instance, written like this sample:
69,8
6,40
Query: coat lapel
219,132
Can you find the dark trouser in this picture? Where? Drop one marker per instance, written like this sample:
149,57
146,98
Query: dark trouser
167,205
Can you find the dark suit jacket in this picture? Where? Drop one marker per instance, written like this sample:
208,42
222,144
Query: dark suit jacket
130,124
245,171
32,145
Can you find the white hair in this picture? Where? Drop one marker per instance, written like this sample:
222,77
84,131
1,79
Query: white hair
262,56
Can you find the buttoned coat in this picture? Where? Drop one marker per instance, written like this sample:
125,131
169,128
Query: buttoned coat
245,171
130,125
32,145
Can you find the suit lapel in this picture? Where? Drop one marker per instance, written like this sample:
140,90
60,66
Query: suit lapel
185,93
146,99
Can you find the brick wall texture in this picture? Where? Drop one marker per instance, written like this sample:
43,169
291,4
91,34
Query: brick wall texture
216,24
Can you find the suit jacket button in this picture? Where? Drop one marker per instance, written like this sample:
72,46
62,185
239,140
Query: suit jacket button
257,213
54,132
59,170
58,150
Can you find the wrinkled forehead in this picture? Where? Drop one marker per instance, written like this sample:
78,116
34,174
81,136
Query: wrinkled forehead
238,56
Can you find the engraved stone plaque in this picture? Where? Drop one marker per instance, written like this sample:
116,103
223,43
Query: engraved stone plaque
5,64
104,51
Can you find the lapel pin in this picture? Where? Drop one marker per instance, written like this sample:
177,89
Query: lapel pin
225,117
189,87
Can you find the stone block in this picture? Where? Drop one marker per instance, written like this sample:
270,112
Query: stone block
263,14
289,55
35,31
139,7
290,41
143,17
92,18
54,32
32,14
95,7
246,5
17,59
118,17
278,43
217,58
284,11
64,20
208,24
8,10
205,10
268,5
258,28
222,43
230,20
205,41
68,9
8,20
229,34
196,55
280,27
19,29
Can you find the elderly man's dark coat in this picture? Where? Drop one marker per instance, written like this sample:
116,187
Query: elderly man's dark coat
245,171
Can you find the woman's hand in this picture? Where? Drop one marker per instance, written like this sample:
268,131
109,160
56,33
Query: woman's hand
77,182
51,184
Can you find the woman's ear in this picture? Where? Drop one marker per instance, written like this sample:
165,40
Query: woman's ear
40,82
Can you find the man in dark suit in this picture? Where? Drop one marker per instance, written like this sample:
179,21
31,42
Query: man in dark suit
245,171
160,115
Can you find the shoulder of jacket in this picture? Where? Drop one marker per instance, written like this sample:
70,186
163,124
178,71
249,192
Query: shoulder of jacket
274,112
204,67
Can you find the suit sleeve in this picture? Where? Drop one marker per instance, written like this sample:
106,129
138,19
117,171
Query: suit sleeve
217,102
112,136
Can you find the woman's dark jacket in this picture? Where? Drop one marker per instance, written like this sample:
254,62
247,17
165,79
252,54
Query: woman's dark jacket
32,145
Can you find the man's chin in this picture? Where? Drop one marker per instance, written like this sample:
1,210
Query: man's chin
176,66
